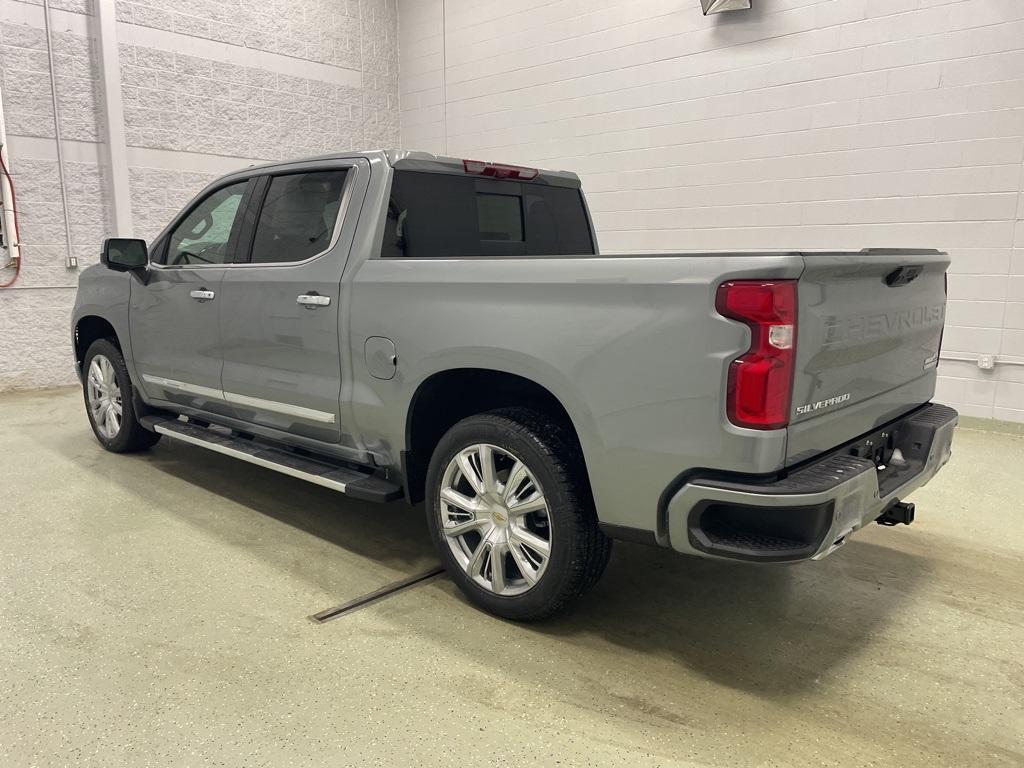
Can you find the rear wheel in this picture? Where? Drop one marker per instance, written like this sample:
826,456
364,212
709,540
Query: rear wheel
512,516
109,400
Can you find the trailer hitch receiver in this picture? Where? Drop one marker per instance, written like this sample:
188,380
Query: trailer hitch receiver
899,512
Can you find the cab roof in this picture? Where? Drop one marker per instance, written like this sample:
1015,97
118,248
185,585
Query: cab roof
403,159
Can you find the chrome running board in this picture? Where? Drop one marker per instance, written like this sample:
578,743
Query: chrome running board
352,482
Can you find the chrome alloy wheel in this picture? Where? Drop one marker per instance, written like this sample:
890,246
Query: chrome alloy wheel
495,519
104,397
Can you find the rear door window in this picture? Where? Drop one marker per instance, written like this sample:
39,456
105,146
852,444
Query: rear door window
298,216
438,215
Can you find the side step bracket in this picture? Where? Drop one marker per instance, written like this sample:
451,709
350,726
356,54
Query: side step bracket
352,482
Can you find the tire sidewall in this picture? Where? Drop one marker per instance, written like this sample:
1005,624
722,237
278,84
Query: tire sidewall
562,502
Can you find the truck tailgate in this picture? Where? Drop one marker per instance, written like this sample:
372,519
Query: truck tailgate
869,325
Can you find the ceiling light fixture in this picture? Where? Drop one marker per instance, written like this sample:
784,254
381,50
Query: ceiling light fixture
720,6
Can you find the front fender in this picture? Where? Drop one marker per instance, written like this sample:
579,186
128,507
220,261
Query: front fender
105,294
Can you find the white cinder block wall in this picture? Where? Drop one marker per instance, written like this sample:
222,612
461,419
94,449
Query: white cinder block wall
208,87
798,124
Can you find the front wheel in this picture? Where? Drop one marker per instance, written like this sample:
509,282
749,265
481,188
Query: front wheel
512,516
109,400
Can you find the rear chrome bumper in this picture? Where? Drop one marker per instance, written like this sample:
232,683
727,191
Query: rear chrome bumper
809,513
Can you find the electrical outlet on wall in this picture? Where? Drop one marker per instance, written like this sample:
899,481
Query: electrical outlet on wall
986,362
71,262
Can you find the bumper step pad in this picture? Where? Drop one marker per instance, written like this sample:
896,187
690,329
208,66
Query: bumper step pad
816,478
823,474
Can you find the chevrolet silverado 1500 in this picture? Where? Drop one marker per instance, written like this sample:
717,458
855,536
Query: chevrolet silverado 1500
396,324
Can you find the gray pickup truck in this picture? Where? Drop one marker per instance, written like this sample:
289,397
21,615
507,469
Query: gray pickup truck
395,324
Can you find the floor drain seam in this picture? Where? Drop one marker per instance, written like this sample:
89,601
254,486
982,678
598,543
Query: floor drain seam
374,597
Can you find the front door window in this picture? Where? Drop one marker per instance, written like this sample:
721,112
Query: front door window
202,236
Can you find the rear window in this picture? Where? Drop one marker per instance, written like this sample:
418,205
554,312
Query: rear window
437,215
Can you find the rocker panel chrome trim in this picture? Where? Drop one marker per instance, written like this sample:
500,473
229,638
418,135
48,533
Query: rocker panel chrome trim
286,408
181,386
245,400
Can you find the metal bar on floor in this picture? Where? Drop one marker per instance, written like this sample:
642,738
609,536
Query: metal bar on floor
376,596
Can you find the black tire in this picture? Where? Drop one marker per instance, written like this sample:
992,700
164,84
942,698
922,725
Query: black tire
131,436
579,550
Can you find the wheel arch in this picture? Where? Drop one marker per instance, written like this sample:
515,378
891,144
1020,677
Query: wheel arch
448,396
88,329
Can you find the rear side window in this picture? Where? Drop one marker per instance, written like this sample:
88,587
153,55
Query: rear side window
298,216
437,215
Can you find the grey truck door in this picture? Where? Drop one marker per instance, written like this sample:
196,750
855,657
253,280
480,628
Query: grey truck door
173,315
279,316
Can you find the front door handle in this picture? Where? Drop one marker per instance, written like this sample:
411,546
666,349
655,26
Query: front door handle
313,300
202,295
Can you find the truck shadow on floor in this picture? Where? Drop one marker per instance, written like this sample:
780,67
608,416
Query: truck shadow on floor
771,630
774,631
176,476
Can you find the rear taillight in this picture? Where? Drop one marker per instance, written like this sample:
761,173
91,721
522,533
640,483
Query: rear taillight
761,380
499,170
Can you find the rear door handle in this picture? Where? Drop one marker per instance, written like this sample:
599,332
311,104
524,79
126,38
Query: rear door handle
313,300
202,295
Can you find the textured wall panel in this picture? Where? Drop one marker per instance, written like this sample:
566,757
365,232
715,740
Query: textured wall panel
188,118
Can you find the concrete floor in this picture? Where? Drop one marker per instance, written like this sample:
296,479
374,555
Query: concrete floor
153,611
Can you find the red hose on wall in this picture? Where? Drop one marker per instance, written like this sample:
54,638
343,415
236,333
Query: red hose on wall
17,231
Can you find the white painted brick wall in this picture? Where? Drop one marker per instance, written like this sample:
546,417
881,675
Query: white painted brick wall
28,107
326,31
188,103
207,87
798,124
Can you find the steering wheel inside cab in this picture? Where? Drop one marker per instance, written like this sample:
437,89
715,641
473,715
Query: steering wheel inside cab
204,253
